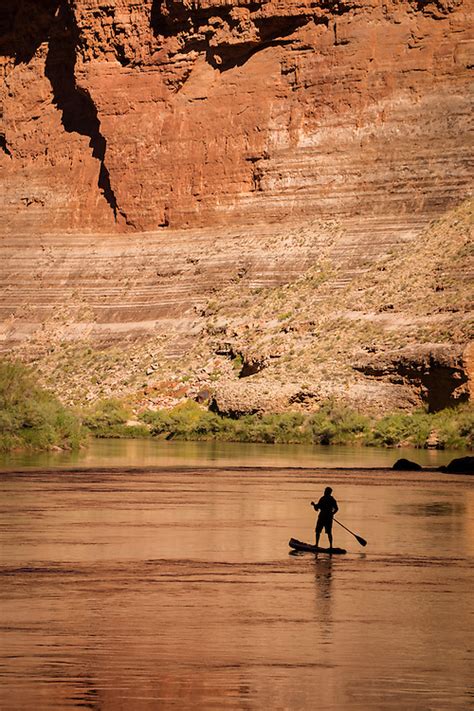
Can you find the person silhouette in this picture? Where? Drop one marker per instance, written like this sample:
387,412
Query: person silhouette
327,507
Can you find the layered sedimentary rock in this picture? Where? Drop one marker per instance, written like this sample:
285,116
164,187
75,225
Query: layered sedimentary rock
121,114
275,317
238,183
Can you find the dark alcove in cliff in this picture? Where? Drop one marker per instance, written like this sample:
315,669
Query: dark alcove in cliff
443,388
157,19
79,114
436,373
167,19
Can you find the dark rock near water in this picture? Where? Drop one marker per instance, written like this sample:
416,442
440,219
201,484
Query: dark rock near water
405,465
463,465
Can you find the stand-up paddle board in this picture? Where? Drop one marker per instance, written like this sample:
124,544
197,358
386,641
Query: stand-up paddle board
300,546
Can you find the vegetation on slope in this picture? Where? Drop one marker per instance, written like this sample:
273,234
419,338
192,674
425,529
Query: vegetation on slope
408,295
308,331
31,417
109,418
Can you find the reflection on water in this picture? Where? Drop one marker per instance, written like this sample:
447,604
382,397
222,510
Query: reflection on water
435,508
159,590
116,452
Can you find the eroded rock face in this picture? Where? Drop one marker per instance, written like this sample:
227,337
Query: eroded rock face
242,313
249,398
132,115
439,372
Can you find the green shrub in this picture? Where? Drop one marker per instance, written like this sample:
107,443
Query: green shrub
187,420
237,362
334,423
391,430
289,427
106,412
158,421
121,431
455,427
466,426
31,417
108,418
322,429
190,421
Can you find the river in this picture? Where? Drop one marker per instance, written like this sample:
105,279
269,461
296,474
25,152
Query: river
174,588
162,453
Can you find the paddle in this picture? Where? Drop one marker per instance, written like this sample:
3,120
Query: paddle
361,540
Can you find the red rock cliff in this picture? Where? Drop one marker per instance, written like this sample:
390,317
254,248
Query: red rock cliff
127,114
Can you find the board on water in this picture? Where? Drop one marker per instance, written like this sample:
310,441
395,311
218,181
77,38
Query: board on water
300,546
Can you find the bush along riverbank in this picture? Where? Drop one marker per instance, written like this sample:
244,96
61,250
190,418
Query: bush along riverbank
331,424
31,417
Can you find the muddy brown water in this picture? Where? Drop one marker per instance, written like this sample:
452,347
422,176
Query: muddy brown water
174,588
162,453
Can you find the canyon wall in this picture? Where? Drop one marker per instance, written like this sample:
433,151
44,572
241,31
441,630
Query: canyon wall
138,115
187,187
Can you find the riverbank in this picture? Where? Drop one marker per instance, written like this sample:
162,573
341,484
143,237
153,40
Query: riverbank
335,474
32,418
334,423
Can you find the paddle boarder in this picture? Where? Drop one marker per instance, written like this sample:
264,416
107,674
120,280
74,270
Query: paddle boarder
327,507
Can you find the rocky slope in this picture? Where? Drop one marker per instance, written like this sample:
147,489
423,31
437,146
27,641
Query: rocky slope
276,318
271,190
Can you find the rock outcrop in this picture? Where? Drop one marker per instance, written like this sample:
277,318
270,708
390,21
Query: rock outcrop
235,399
437,371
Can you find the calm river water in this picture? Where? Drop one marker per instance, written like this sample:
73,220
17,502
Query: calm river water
153,452
175,588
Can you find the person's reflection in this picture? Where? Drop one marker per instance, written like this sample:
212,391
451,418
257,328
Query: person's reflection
323,585
86,694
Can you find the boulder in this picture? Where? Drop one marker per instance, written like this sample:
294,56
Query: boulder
248,397
462,465
405,465
203,396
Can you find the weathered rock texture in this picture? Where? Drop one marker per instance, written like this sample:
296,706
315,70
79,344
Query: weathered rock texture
273,318
438,372
136,115
240,189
